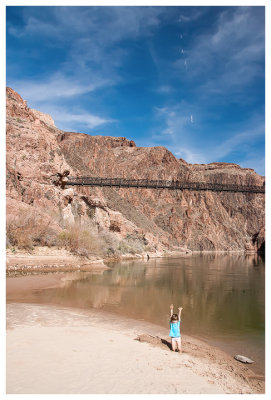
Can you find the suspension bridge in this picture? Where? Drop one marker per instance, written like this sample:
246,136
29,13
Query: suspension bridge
161,184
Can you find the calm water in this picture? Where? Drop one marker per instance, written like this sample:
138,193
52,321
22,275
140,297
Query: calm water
223,297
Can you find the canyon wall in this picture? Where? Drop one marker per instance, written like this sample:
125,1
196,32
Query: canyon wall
39,155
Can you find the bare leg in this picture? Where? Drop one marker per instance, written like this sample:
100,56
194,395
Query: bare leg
173,345
179,344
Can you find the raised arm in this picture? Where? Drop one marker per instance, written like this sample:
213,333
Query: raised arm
171,310
180,312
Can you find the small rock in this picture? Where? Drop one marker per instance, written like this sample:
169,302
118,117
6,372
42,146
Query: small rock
243,359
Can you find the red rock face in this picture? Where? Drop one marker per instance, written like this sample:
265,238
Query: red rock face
38,154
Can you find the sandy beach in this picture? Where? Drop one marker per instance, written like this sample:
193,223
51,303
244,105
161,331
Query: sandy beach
61,350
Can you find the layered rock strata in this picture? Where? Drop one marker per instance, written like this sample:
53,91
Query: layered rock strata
41,156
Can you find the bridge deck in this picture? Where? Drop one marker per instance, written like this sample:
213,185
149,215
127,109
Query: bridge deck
161,184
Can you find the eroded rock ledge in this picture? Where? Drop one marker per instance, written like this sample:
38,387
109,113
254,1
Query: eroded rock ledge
40,156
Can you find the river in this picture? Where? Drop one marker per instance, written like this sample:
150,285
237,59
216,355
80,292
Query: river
222,295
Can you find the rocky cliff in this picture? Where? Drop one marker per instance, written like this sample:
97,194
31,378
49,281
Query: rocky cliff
39,155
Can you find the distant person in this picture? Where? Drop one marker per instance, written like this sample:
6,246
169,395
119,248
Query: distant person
148,257
175,334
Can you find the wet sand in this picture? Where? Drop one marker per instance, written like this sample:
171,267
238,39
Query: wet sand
62,350
54,349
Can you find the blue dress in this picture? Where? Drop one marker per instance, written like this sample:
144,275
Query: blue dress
175,329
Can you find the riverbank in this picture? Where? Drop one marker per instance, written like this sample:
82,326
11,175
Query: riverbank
53,259
60,350
45,259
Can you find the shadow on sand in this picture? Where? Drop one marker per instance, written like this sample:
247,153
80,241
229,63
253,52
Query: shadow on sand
155,340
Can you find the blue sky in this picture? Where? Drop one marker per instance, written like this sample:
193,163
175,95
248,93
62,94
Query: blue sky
187,78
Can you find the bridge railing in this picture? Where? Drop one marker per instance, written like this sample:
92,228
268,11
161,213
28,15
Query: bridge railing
160,184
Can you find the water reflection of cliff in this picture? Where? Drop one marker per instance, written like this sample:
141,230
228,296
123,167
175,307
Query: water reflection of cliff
218,292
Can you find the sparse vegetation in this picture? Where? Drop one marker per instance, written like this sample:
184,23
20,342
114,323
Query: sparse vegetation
30,229
131,245
80,240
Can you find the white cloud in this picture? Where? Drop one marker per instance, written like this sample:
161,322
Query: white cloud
176,119
50,97
190,155
103,25
229,57
193,14
239,140
187,140
72,119
56,87
91,41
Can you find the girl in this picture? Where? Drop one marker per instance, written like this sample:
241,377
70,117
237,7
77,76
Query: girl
174,333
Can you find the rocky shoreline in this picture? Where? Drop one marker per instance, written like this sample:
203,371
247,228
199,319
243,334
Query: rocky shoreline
43,259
